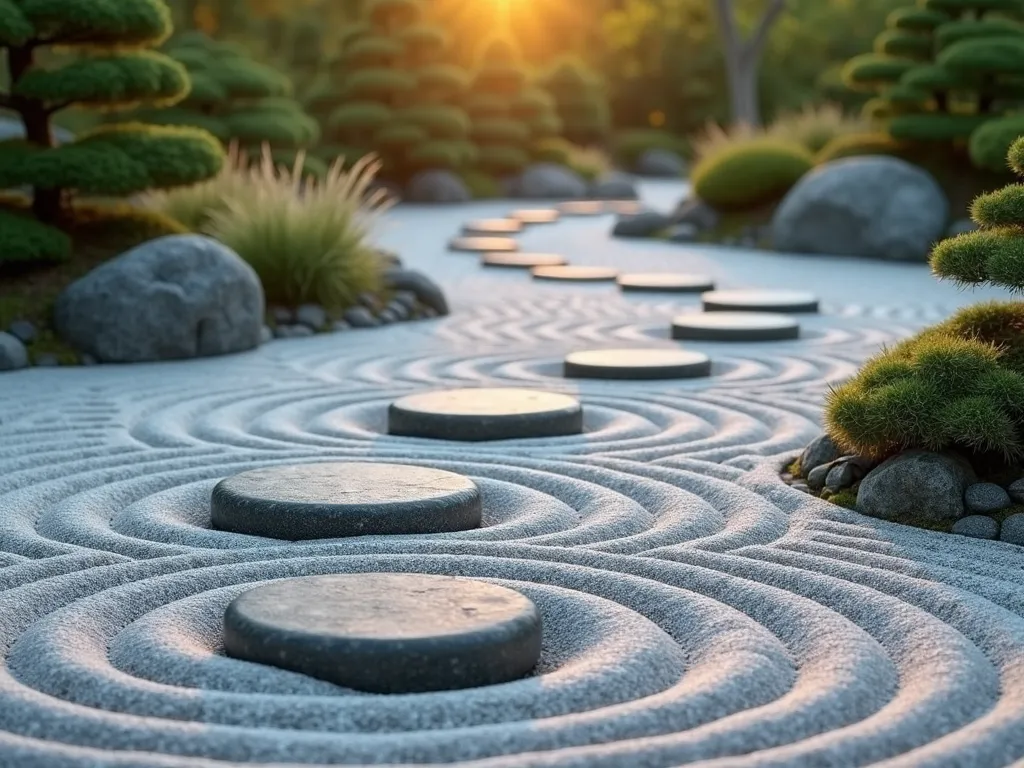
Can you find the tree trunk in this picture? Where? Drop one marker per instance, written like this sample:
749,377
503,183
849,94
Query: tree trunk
47,204
746,107
743,59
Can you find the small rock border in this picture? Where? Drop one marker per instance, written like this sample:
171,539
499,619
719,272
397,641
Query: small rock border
991,510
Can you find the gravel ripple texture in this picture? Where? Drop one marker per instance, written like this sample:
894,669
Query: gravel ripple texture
698,611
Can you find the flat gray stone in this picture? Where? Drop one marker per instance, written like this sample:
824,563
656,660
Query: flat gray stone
1012,530
576,274
983,498
665,282
339,499
387,632
13,354
636,364
821,450
977,527
536,215
488,227
735,326
582,208
759,301
485,414
483,244
522,260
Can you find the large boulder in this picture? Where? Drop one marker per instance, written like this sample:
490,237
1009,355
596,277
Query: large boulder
550,181
880,207
436,187
614,185
660,163
916,486
174,297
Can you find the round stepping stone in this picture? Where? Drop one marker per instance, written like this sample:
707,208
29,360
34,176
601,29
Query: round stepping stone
636,364
625,207
583,208
666,282
522,260
576,274
483,244
535,215
387,632
336,499
759,301
735,326
485,414
493,227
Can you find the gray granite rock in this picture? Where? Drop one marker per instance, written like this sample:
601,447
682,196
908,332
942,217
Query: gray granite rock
841,475
550,181
369,300
13,354
977,527
802,487
399,310
282,315
696,212
660,163
817,477
879,207
312,316
614,185
916,485
436,186
822,450
340,325
645,224
1016,491
266,334
984,498
360,317
387,316
407,299
174,297
24,331
1012,530
426,291
682,233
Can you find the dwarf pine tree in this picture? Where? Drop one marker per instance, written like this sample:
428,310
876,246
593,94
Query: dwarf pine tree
105,64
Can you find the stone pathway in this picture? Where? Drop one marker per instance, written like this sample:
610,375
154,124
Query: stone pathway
695,610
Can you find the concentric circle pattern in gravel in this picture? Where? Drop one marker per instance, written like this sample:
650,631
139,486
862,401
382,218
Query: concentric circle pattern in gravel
697,611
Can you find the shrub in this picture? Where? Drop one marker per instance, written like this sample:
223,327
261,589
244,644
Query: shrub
750,174
582,103
990,142
308,241
481,186
815,127
859,144
959,384
629,146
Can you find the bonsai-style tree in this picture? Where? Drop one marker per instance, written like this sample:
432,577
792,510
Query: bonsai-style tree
581,102
944,68
109,68
393,92
238,100
959,384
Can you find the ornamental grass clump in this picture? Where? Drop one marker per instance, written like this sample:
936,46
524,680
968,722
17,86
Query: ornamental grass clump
959,384
307,239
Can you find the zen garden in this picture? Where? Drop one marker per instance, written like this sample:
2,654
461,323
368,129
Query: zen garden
512,383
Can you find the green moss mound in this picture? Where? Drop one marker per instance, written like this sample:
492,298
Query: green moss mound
860,144
990,143
750,174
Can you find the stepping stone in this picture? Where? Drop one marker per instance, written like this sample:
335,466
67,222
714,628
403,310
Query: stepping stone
666,282
576,274
483,244
522,260
485,414
337,499
535,215
759,301
735,326
493,227
387,632
625,207
636,364
583,208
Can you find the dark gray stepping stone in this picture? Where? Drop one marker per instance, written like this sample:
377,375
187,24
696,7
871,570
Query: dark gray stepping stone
483,244
535,215
583,208
636,364
336,499
493,227
666,282
735,326
485,414
759,301
576,274
387,632
522,260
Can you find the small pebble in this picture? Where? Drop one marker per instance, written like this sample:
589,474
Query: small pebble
1016,491
312,316
340,325
842,474
817,477
282,315
983,498
23,330
977,527
1012,531
360,317
387,316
